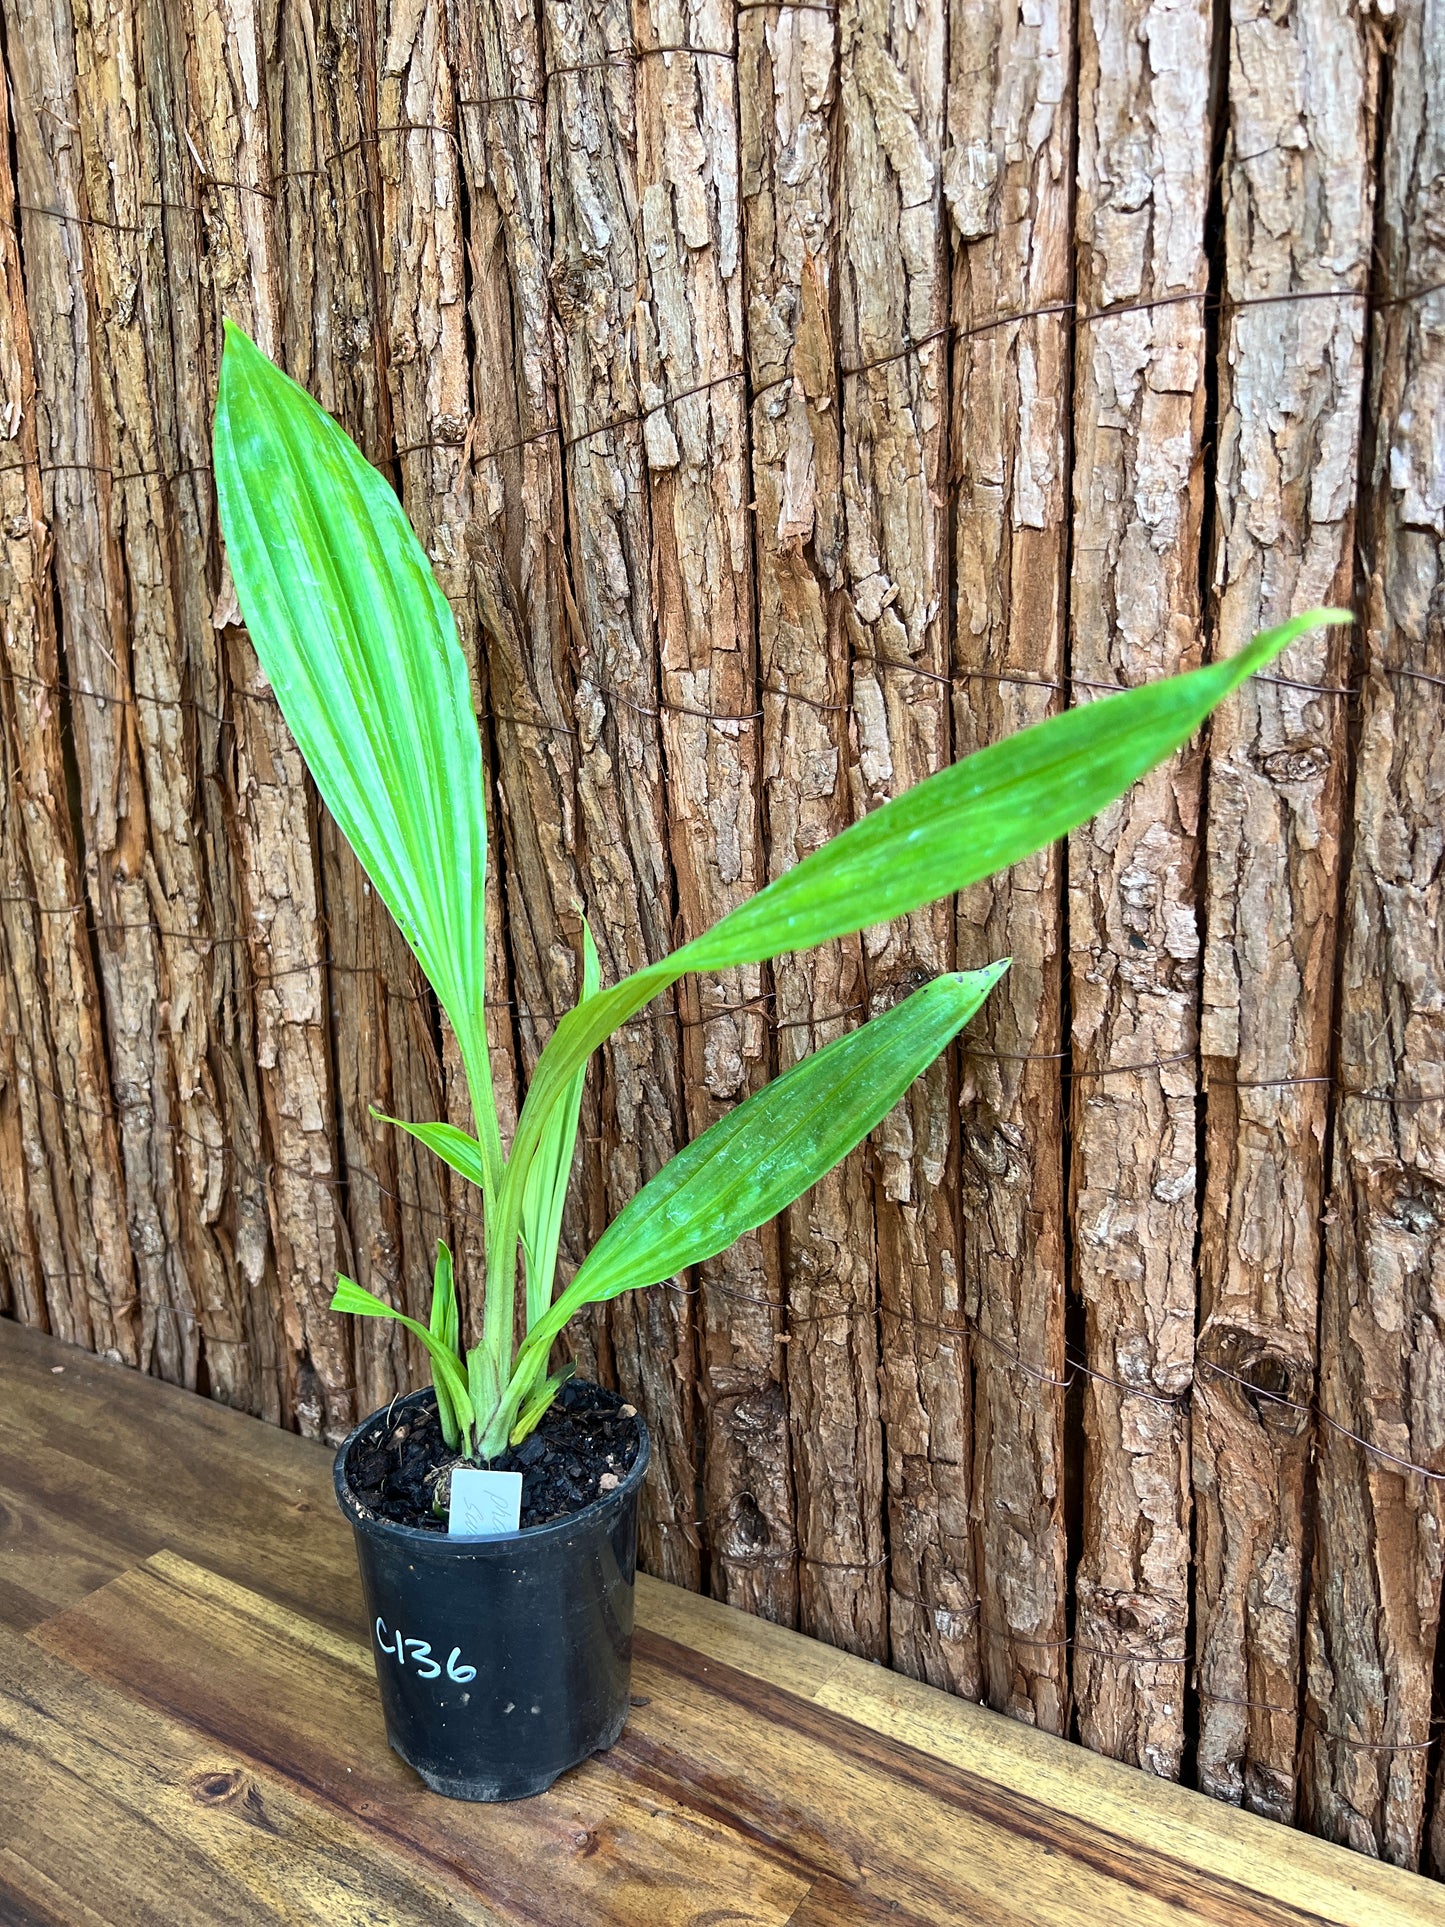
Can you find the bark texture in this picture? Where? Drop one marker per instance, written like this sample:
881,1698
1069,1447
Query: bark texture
791,399
1374,1607
893,310
1298,201
598,285
1144,146
1008,183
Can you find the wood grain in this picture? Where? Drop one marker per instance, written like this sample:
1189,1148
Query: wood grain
236,1767
800,1782
172,1827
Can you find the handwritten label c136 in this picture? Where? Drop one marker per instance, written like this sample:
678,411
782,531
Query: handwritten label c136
418,1653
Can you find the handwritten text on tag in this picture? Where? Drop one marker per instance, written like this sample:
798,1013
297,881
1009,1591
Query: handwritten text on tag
484,1505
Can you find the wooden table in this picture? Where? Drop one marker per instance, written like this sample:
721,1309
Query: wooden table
189,1732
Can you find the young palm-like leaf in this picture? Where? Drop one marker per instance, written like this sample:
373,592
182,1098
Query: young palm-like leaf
752,1163
551,1170
953,829
360,648
454,1147
534,1406
445,1327
354,1298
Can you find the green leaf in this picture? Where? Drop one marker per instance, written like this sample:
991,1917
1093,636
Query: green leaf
953,829
551,1169
535,1404
760,1157
446,1330
454,1147
359,646
353,1298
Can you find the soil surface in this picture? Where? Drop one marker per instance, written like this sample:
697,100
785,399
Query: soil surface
585,1446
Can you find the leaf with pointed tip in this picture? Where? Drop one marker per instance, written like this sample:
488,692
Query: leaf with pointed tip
354,1298
445,1325
953,829
551,1170
535,1405
760,1157
453,1147
360,648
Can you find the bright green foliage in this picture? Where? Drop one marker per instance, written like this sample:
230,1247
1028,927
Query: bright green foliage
445,1327
551,1169
537,1401
362,653
452,1146
350,1296
767,1151
359,645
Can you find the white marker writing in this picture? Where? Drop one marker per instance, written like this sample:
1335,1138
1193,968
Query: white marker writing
420,1654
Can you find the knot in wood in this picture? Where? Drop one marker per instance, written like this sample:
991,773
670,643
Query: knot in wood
1261,1375
1303,763
232,1789
216,1788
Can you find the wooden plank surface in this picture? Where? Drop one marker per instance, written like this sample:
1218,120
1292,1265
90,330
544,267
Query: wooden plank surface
189,1731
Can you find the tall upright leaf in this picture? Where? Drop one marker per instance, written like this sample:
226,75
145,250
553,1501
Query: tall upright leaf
360,648
546,1192
446,1328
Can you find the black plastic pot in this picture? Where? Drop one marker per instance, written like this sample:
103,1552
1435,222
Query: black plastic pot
501,1662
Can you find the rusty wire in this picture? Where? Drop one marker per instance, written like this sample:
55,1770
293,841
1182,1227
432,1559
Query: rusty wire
964,1330
660,705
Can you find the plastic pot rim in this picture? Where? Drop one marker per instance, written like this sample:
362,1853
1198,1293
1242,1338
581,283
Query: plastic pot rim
435,1542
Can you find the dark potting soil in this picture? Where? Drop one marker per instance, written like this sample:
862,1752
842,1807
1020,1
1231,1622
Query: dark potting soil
584,1447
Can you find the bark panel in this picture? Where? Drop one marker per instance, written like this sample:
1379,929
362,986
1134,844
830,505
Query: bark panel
1299,138
62,1221
690,345
1144,143
1374,1608
274,826
598,280
893,307
423,425
1007,178
787,83
516,545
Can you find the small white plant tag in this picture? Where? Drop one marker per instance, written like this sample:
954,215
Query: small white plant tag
484,1505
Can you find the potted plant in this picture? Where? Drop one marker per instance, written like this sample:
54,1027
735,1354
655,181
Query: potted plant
504,1659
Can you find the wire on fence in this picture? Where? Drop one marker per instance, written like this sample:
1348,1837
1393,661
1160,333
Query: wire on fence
660,705
964,1329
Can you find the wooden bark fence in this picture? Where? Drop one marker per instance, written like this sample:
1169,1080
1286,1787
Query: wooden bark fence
791,395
